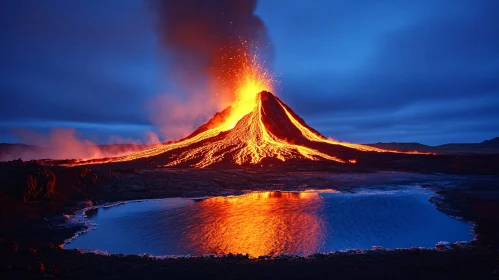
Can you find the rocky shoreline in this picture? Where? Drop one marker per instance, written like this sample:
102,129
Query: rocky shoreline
31,230
457,263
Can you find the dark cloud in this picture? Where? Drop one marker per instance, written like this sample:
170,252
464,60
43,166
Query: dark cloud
210,39
451,59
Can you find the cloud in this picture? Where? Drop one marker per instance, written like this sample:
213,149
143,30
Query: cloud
430,73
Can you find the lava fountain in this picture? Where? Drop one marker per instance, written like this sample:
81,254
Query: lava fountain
246,78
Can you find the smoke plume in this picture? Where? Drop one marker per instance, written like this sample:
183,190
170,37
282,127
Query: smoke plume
201,36
204,42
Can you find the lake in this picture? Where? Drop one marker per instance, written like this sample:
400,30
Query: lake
273,223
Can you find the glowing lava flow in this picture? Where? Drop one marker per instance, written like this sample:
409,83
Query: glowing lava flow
250,133
248,142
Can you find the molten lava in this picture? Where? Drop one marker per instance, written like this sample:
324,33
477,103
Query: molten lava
257,127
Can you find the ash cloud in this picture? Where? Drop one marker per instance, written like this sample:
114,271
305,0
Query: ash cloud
202,41
198,33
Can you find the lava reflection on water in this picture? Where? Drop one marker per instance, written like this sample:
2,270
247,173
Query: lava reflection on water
258,224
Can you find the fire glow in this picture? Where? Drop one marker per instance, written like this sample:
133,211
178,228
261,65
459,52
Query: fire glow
242,135
247,77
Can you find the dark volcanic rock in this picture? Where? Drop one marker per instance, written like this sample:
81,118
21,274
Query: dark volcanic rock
276,121
27,181
274,117
29,190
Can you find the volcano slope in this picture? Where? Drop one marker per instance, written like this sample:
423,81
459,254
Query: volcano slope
271,133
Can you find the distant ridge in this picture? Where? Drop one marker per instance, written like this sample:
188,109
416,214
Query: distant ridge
486,147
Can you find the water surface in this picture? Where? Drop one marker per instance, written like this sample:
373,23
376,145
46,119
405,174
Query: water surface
272,223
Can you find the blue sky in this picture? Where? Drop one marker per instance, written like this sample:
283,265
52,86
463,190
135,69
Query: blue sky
361,71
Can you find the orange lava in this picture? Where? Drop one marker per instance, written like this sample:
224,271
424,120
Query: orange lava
242,137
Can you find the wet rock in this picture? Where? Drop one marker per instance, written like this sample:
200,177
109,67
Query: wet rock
56,221
92,212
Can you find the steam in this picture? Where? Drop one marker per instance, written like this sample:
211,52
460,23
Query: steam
175,117
62,143
203,42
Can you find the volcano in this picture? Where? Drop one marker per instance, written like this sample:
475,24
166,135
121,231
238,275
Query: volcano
269,133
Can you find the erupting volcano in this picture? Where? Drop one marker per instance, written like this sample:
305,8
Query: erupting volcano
258,128
219,40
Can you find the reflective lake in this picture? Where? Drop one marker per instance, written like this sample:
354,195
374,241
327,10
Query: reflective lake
272,223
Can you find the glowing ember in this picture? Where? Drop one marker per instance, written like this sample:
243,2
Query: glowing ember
250,78
258,126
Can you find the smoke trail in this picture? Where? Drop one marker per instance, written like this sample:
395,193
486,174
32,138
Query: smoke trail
204,38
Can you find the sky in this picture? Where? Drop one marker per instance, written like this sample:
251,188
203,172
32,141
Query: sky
359,71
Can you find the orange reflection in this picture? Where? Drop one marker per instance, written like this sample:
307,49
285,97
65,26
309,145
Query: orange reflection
263,223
